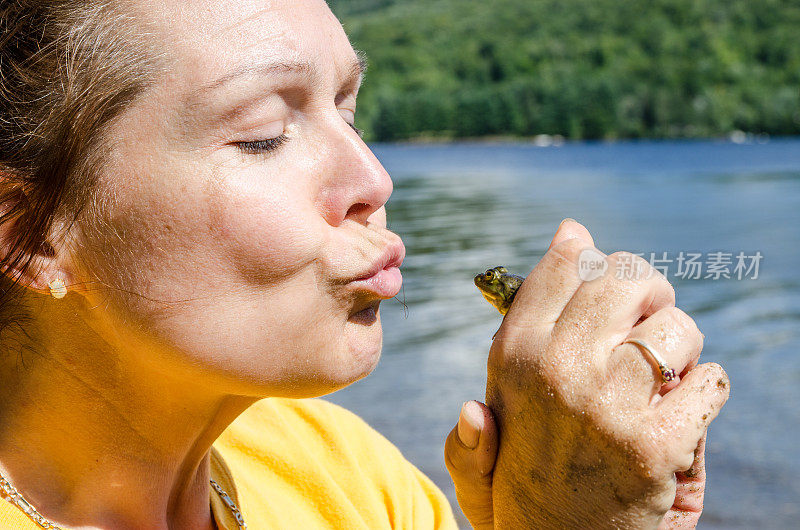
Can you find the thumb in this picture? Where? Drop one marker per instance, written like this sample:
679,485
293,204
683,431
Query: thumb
569,229
469,454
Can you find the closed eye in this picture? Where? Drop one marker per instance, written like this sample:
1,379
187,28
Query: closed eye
262,146
269,145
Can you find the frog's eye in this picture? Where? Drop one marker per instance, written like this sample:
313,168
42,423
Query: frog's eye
489,274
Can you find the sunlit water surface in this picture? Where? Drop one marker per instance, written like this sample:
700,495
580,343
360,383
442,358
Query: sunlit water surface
463,208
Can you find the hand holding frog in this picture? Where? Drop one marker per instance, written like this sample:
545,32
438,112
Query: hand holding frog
588,435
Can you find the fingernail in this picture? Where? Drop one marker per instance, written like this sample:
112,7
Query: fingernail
567,219
468,433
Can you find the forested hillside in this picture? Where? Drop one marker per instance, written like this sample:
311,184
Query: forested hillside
578,68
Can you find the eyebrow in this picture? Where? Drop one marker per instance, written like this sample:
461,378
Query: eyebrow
353,79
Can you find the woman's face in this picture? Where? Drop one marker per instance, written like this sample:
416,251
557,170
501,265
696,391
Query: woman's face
244,211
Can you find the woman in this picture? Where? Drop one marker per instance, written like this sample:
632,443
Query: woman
191,224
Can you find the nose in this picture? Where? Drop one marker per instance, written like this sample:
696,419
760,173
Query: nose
358,185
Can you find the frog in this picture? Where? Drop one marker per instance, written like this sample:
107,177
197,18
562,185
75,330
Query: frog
499,287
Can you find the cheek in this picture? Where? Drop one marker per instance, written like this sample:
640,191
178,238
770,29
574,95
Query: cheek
265,231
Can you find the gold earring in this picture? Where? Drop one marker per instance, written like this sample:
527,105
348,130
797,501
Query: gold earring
57,288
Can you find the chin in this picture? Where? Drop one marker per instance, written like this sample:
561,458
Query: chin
332,364
353,365
365,342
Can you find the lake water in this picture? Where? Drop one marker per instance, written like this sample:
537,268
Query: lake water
462,208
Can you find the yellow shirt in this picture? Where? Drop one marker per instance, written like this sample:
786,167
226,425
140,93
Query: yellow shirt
308,464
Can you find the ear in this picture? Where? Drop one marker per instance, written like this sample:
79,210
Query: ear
15,232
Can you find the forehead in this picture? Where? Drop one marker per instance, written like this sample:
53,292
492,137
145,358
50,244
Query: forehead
204,39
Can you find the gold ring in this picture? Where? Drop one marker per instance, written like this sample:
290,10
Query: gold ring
667,373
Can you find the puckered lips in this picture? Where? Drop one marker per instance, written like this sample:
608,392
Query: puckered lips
383,278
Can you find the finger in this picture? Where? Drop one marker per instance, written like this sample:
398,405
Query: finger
673,335
677,519
684,413
571,229
470,453
689,492
605,309
553,281
691,482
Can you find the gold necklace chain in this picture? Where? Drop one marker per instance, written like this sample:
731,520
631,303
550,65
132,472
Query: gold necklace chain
11,494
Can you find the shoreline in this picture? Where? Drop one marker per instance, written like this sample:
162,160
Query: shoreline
545,140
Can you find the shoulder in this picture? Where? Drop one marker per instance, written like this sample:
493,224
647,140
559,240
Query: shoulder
327,452
315,412
314,421
316,431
